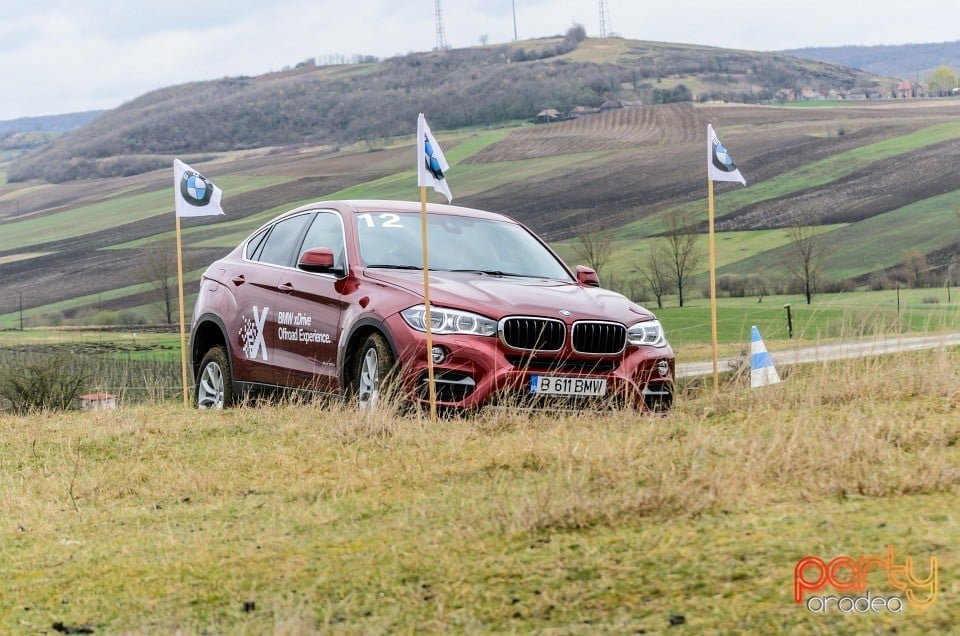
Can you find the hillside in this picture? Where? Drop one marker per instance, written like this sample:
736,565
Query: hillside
905,61
375,102
880,178
48,123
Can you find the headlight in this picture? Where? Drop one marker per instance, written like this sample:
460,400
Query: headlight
649,333
449,321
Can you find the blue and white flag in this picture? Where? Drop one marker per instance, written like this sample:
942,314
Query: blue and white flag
194,194
720,166
431,164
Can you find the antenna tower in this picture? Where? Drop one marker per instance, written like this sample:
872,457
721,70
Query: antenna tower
604,19
441,35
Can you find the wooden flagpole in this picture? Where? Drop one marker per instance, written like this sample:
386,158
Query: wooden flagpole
183,330
426,302
713,291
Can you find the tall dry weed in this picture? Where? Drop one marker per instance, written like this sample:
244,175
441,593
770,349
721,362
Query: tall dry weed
874,427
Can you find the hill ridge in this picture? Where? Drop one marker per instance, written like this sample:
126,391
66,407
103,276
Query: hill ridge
375,102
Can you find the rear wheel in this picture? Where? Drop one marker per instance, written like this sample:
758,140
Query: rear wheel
214,384
374,364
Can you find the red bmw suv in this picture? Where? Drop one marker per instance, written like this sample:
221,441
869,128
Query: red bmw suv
329,297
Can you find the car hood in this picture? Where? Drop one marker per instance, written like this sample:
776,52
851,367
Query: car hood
499,296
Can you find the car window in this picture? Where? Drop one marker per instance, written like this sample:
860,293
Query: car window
389,240
326,231
455,243
255,244
280,243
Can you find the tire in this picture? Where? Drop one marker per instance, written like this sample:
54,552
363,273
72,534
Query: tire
214,384
372,372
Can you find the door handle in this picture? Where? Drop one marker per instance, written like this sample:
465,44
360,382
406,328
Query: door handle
239,279
285,288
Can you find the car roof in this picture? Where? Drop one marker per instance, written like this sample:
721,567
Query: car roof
374,205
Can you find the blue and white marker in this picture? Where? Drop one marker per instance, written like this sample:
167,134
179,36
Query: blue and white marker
762,371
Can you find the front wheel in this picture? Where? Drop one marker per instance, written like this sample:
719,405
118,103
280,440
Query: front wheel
214,384
374,364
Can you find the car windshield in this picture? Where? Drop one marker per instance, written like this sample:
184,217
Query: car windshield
456,243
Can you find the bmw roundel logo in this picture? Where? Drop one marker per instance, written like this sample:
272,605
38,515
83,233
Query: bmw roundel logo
565,313
722,160
433,164
195,189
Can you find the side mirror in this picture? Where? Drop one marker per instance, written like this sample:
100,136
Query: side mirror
587,276
318,259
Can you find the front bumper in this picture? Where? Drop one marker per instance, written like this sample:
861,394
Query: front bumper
480,371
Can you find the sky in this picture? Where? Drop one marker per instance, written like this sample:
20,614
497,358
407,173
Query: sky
62,56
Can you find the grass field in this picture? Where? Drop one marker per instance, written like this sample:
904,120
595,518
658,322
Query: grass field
852,315
107,214
312,518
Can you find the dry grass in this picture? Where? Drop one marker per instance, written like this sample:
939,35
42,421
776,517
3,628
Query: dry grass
303,518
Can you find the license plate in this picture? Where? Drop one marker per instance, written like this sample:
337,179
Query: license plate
565,385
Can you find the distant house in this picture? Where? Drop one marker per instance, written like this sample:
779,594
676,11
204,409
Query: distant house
98,402
809,94
548,115
907,89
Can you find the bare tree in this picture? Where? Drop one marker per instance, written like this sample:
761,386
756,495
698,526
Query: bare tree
916,267
804,257
635,289
158,268
756,285
594,246
683,250
654,270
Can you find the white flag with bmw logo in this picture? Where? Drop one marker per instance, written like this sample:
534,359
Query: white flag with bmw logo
720,166
195,195
431,163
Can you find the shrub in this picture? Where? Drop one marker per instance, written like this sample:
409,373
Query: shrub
103,317
39,382
130,317
53,318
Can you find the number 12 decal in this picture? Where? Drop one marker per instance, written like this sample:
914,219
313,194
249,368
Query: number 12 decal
386,219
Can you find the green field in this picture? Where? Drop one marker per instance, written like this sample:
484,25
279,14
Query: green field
107,214
855,316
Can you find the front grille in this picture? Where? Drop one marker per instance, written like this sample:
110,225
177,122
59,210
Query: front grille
533,334
604,338
535,363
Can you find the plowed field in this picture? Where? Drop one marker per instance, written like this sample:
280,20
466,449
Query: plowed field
827,164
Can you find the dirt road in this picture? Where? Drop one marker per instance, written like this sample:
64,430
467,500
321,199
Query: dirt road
822,353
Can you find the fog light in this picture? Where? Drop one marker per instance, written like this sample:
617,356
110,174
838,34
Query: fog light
663,368
439,354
